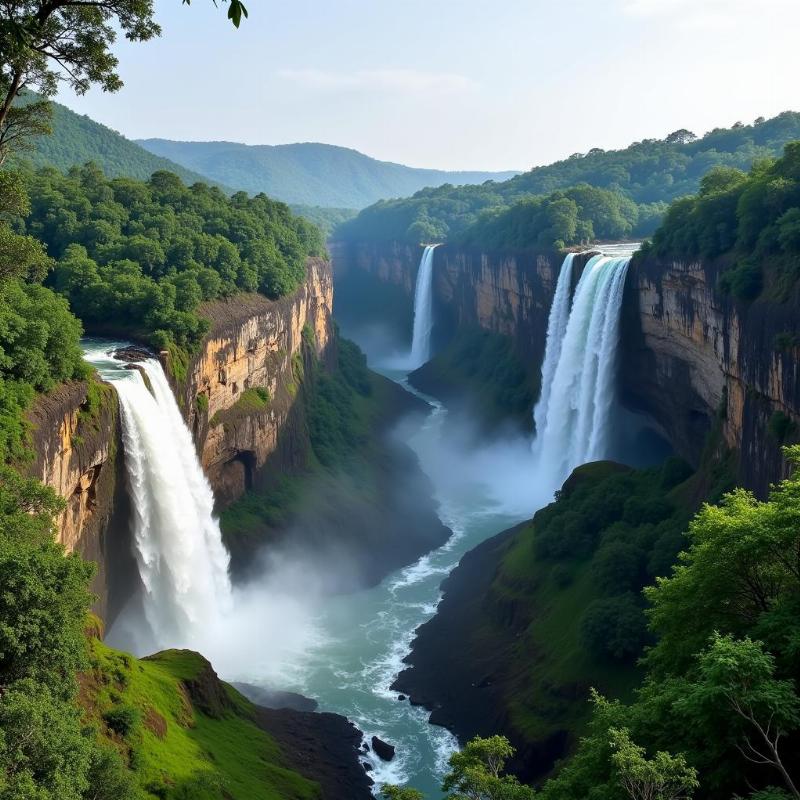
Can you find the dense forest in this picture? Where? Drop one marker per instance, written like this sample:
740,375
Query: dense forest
641,179
750,220
139,257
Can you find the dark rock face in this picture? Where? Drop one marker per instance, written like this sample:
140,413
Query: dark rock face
383,750
134,354
697,361
321,747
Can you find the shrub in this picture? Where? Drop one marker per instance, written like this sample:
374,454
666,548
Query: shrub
122,719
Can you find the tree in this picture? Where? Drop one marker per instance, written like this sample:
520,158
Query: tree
738,675
390,792
663,777
476,772
43,42
681,136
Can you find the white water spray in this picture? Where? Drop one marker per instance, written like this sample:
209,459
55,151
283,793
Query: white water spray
183,564
573,414
423,310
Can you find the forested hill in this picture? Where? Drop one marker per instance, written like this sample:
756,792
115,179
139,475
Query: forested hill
309,173
77,139
643,177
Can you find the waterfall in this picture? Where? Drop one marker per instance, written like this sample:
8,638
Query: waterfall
182,562
573,415
423,310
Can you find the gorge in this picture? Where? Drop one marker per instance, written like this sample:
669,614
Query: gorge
493,493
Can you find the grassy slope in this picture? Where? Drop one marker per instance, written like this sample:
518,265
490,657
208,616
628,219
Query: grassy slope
176,749
308,173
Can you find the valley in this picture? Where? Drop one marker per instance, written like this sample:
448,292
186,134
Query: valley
323,477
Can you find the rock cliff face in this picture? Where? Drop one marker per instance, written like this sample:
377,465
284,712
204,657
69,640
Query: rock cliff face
693,359
507,293
697,361
76,445
254,343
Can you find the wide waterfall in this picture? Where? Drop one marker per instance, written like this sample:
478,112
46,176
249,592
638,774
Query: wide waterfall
423,310
573,415
183,564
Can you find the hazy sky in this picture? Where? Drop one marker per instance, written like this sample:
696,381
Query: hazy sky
456,84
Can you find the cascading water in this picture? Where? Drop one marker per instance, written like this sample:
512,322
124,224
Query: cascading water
183,564
423,310
573,415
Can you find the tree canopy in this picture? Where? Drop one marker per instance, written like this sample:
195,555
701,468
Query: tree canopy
645,176
139,257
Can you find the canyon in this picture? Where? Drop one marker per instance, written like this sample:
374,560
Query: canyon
706,370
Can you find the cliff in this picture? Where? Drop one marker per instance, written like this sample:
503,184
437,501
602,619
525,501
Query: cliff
694,360
254,344
699,363
507,293
75,439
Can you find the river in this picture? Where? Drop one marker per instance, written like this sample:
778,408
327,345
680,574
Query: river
363,637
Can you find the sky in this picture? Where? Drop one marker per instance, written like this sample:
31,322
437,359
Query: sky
455,84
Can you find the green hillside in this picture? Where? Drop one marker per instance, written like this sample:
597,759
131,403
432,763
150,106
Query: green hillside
645,177
77,139
308,174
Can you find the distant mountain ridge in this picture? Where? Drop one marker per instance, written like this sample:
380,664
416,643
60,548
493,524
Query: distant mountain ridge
77,138
309,173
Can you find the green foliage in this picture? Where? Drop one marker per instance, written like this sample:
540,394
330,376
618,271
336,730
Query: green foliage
46,751
77,139
390,792
579,214
175,748
122,719
251,401
633,186
336,429
44,754
138,258
614,627
483,371
201,403
476,773
752,220
781,427
664,777
326,219
721,677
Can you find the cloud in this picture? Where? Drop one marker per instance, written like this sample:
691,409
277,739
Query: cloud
400,81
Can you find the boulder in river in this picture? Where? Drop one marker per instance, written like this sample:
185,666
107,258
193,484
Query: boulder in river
382,749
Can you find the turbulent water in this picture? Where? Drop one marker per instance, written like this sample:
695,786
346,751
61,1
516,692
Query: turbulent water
423,310
363,637
573,415
183,564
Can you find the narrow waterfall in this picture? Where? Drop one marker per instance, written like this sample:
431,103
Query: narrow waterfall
423,310
573,415
183,564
